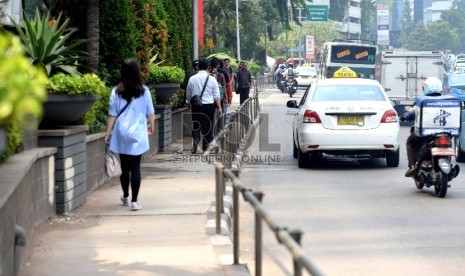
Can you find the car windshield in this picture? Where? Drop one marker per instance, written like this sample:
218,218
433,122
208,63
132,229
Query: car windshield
457,80
347,93
306,71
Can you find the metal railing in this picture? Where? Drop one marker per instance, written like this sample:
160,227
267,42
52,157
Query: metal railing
234,137
290,239
232,141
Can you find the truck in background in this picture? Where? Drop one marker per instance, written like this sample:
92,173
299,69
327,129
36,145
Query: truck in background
402,73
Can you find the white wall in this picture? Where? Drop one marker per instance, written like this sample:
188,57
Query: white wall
13,9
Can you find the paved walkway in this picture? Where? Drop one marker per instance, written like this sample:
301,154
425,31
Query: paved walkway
169,236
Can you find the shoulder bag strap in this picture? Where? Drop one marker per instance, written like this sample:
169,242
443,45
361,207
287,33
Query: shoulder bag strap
124,108
204,86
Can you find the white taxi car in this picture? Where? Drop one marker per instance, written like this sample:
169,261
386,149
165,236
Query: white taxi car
345,116
306,74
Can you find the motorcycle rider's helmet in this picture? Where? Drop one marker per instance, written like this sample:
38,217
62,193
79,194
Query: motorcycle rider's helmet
282,66
432,87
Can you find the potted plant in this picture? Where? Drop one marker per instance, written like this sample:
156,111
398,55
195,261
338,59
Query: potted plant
21,93
166,80
70,97
46,41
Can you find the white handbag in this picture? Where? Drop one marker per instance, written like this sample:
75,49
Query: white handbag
112,165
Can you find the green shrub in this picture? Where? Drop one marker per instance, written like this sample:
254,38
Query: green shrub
87,84
233,62
14,139
178,101
21,91
96,117
118,37
254,68
22,85
165,74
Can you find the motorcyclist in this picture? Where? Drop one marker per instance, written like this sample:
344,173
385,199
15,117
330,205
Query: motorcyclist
291,73
278,74
431,87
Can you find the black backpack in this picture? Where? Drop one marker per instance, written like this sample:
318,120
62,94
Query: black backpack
290,72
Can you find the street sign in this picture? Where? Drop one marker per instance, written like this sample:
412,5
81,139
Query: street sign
309,46
317,12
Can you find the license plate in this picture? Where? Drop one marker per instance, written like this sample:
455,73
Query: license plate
304,77
355,120
442,151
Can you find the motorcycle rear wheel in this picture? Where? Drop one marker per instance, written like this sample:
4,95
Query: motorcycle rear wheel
441,186
419,184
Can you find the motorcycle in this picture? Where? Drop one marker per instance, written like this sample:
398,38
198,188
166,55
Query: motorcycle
282,82
291,86
434,166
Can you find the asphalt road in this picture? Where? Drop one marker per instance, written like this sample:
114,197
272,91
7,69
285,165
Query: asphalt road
358,218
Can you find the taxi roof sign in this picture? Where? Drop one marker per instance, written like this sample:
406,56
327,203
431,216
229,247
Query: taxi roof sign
345,72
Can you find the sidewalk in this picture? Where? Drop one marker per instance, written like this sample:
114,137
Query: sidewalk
171,235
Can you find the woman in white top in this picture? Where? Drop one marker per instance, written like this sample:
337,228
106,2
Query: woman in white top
131,116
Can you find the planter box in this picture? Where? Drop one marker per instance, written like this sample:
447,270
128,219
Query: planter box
164,91
65,109
3,142
70,165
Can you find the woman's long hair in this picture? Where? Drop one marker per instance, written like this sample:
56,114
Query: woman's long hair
131,84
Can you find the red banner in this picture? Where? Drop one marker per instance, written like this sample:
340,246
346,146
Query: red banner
201,23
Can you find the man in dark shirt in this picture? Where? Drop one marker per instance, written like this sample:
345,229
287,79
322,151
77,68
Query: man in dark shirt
230,70
244,82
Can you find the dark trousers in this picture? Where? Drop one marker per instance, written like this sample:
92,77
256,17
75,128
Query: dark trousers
221,121
244,94
413,146
130,167
202,123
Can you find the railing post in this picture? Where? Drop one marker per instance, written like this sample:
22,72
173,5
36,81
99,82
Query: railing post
219,170
297,236
258,238
236,223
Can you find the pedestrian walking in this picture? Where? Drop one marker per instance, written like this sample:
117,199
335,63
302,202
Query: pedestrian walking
230,70
195,69
227,90
131,117
206,87
244,81
220,78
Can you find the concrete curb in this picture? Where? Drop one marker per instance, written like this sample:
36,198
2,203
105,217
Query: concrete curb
223,242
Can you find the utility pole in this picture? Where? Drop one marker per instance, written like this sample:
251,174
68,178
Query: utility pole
237,32
292,37
195,30
300,37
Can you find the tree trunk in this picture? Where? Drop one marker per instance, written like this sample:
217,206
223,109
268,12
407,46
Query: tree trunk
93,31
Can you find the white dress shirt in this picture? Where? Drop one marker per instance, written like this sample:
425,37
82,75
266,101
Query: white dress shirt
195,85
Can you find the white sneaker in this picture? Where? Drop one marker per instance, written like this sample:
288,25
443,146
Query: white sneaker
135,206
124,200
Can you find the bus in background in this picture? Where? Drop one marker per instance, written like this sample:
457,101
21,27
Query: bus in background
359,57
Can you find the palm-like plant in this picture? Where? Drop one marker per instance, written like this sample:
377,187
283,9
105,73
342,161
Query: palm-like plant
45,42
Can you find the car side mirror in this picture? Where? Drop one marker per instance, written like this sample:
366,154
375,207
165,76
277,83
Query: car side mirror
387,89
292,104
